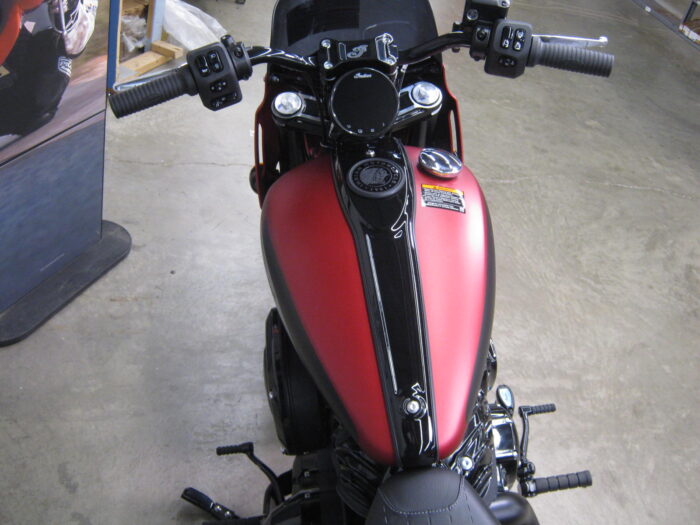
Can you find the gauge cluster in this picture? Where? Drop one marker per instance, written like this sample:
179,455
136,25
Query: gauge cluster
354,108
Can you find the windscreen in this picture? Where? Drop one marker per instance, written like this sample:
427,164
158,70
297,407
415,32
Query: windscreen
299,25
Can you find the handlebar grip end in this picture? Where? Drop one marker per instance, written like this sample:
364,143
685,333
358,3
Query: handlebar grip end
155,91
574,480
571,58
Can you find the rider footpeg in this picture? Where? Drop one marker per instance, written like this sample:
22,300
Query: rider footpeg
204,502
536,486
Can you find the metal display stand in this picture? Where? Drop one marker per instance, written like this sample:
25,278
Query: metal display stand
40,304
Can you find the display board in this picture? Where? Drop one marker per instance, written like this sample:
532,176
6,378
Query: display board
53,68
53,75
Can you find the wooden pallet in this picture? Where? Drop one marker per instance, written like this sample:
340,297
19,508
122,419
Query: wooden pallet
160,53
157,51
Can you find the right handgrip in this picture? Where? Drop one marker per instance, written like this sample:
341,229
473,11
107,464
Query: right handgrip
570,58
155,91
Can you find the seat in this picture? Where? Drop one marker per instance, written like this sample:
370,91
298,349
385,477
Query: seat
431,496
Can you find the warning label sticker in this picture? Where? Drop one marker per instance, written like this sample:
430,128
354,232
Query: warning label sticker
441,197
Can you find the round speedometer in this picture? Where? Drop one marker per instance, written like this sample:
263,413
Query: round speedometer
364,102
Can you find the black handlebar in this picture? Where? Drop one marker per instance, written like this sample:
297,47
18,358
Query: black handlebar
569,58
156,90
266,55
433,47
217,83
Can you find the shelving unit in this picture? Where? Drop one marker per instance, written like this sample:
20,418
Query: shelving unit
678,16
156,52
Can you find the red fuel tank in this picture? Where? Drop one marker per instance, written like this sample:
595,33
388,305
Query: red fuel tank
313,267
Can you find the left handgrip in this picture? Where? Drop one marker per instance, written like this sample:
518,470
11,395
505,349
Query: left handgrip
157,90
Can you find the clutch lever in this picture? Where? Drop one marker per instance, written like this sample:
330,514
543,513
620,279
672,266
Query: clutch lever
574,41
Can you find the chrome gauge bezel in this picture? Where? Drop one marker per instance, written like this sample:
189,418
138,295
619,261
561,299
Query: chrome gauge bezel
395,105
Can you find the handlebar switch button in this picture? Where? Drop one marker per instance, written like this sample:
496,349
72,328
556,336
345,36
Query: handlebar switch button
509,48
215,76
506,37
215,61
202,65
218,87
223,101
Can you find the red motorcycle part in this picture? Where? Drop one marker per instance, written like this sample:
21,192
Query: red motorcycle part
315,276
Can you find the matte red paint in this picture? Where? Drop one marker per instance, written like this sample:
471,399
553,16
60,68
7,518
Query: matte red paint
453,259
316,253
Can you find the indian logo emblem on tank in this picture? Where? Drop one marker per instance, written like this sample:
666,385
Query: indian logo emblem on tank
358,51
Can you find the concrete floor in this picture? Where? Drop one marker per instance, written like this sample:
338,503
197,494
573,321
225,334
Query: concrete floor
117,403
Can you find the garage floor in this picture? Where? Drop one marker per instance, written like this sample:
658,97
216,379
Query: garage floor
117,403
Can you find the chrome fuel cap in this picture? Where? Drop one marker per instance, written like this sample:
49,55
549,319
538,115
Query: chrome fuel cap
439,163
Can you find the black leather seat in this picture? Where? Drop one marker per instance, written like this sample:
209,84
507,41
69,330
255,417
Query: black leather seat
428,497
298,26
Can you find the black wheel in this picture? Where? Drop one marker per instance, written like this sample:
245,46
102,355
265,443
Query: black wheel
253,179
297,406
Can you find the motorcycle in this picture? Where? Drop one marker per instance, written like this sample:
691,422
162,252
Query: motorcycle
379,251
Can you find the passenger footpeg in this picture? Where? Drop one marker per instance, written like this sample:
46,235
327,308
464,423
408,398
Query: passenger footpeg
536,486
